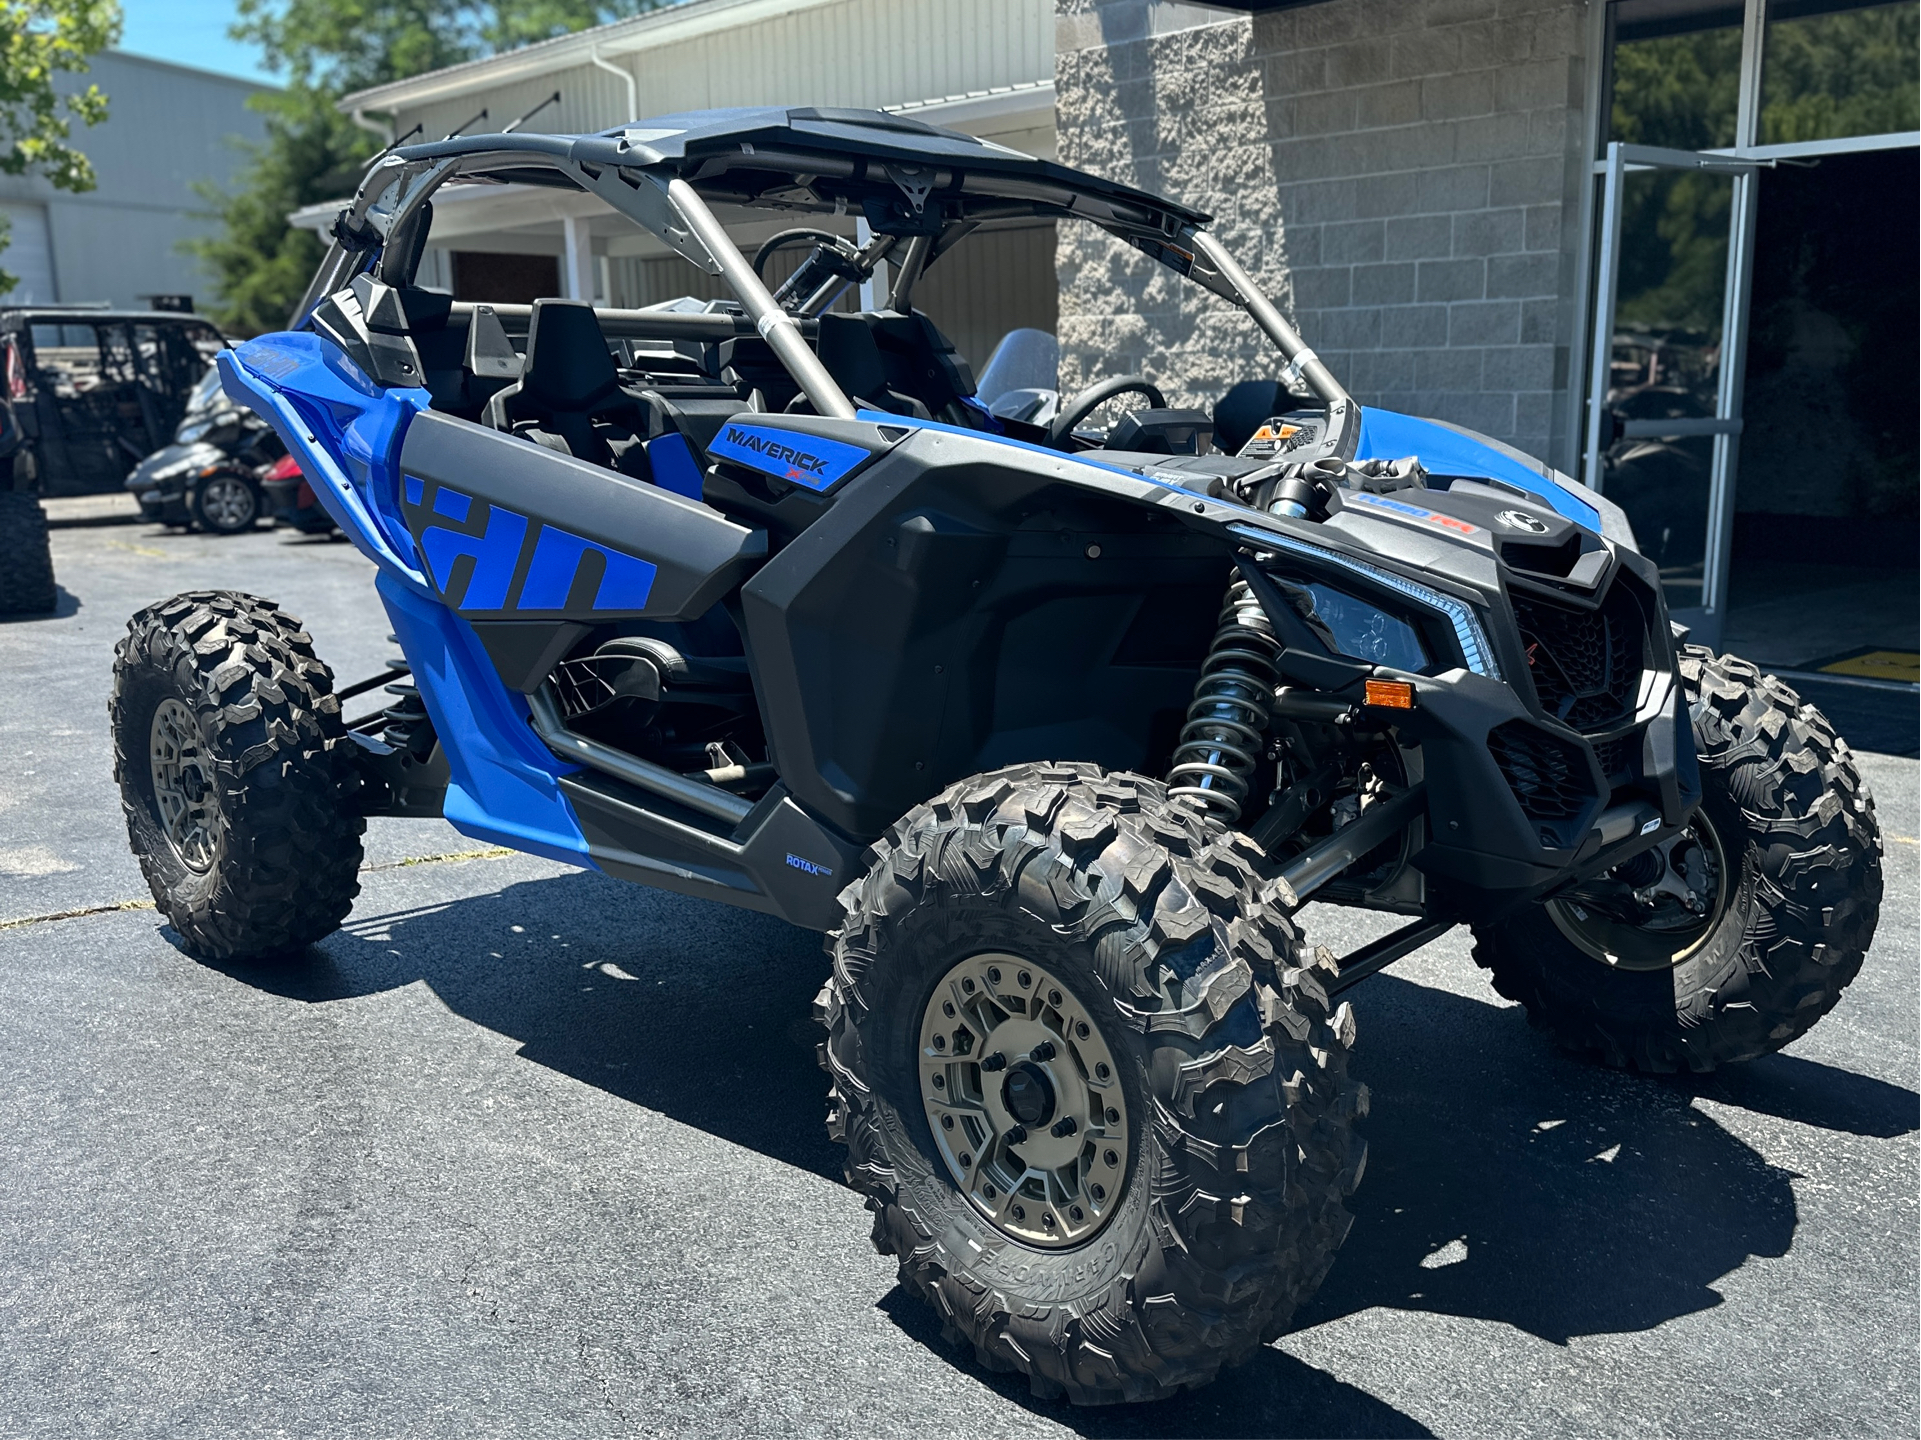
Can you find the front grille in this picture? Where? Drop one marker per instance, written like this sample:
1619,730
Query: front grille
1548,775
1585,664
1620,758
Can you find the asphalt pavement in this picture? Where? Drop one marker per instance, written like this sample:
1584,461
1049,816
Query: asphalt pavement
524,1151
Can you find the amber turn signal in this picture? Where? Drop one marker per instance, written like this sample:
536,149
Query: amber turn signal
1390,694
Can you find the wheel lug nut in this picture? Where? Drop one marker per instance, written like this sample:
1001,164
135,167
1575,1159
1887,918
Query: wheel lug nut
1097,1191
940,1042
1113,1116
996,1061
947,1009
1025,979
1101,1072
1047,1220
1054,997
1043,1051
966,1160
940,1082
1020,1212
988,1191
994,975
1112,1159
1064,1127
1082,1030
947,1122
1076,1214
1017,1136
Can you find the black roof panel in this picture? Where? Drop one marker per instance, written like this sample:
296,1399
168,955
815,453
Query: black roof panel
682,142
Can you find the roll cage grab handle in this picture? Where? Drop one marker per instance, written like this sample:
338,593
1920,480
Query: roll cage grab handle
674,212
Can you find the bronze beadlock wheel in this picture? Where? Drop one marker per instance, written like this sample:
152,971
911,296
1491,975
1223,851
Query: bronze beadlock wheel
1680,893
1024,1099
183,786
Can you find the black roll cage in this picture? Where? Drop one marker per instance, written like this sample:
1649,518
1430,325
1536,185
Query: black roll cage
930,186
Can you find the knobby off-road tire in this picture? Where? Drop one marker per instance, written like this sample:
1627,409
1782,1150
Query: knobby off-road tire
224,723
26,556
1797,826
1239,1109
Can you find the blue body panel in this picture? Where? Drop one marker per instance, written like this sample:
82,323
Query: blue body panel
346,433
1443,450
502,788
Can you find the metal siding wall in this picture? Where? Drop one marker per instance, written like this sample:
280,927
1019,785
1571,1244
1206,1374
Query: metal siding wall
853,52
977,292
990,284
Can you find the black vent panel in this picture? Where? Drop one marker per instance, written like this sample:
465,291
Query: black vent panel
1620,758
1585,664
1548,774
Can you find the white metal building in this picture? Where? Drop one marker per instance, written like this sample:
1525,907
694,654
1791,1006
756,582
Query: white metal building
168,127
985,67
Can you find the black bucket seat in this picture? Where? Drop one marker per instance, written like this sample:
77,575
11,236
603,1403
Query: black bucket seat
569,396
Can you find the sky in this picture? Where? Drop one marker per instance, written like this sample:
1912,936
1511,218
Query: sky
189,32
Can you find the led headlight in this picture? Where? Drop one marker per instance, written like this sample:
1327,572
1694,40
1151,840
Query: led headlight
1468,633
1349,625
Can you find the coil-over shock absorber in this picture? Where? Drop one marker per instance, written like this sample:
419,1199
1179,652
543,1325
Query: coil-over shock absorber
1227,723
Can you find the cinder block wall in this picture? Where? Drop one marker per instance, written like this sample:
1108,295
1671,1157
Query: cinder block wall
1404,177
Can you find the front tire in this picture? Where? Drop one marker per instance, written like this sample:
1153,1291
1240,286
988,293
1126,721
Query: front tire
1108,952
231,760
1786,832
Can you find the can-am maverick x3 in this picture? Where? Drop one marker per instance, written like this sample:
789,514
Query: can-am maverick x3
1050,730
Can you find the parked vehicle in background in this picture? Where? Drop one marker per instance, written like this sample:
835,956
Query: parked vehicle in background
291,501
86,391
210,476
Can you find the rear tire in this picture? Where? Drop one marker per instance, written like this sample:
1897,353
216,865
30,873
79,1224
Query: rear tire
1237,1142
234,775
26,556
1791,815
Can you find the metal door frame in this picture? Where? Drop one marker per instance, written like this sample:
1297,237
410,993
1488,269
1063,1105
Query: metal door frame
1590,339
1725,424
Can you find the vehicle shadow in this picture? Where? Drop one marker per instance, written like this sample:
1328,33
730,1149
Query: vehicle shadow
65,603
1506,1182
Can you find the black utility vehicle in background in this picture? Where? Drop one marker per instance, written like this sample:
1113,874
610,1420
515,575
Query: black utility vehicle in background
88,393
210,476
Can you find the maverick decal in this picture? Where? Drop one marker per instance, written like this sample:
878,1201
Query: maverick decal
807,460
1412,512
559,562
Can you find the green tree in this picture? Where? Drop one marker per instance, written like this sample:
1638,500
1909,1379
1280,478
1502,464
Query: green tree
329,48
40,40
259,264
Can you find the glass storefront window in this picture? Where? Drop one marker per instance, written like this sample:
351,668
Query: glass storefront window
1835,68
1666,363
1676,73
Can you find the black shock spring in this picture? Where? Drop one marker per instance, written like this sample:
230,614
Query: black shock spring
1227,723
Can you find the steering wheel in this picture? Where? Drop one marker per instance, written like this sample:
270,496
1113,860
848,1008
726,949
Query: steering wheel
1061,430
